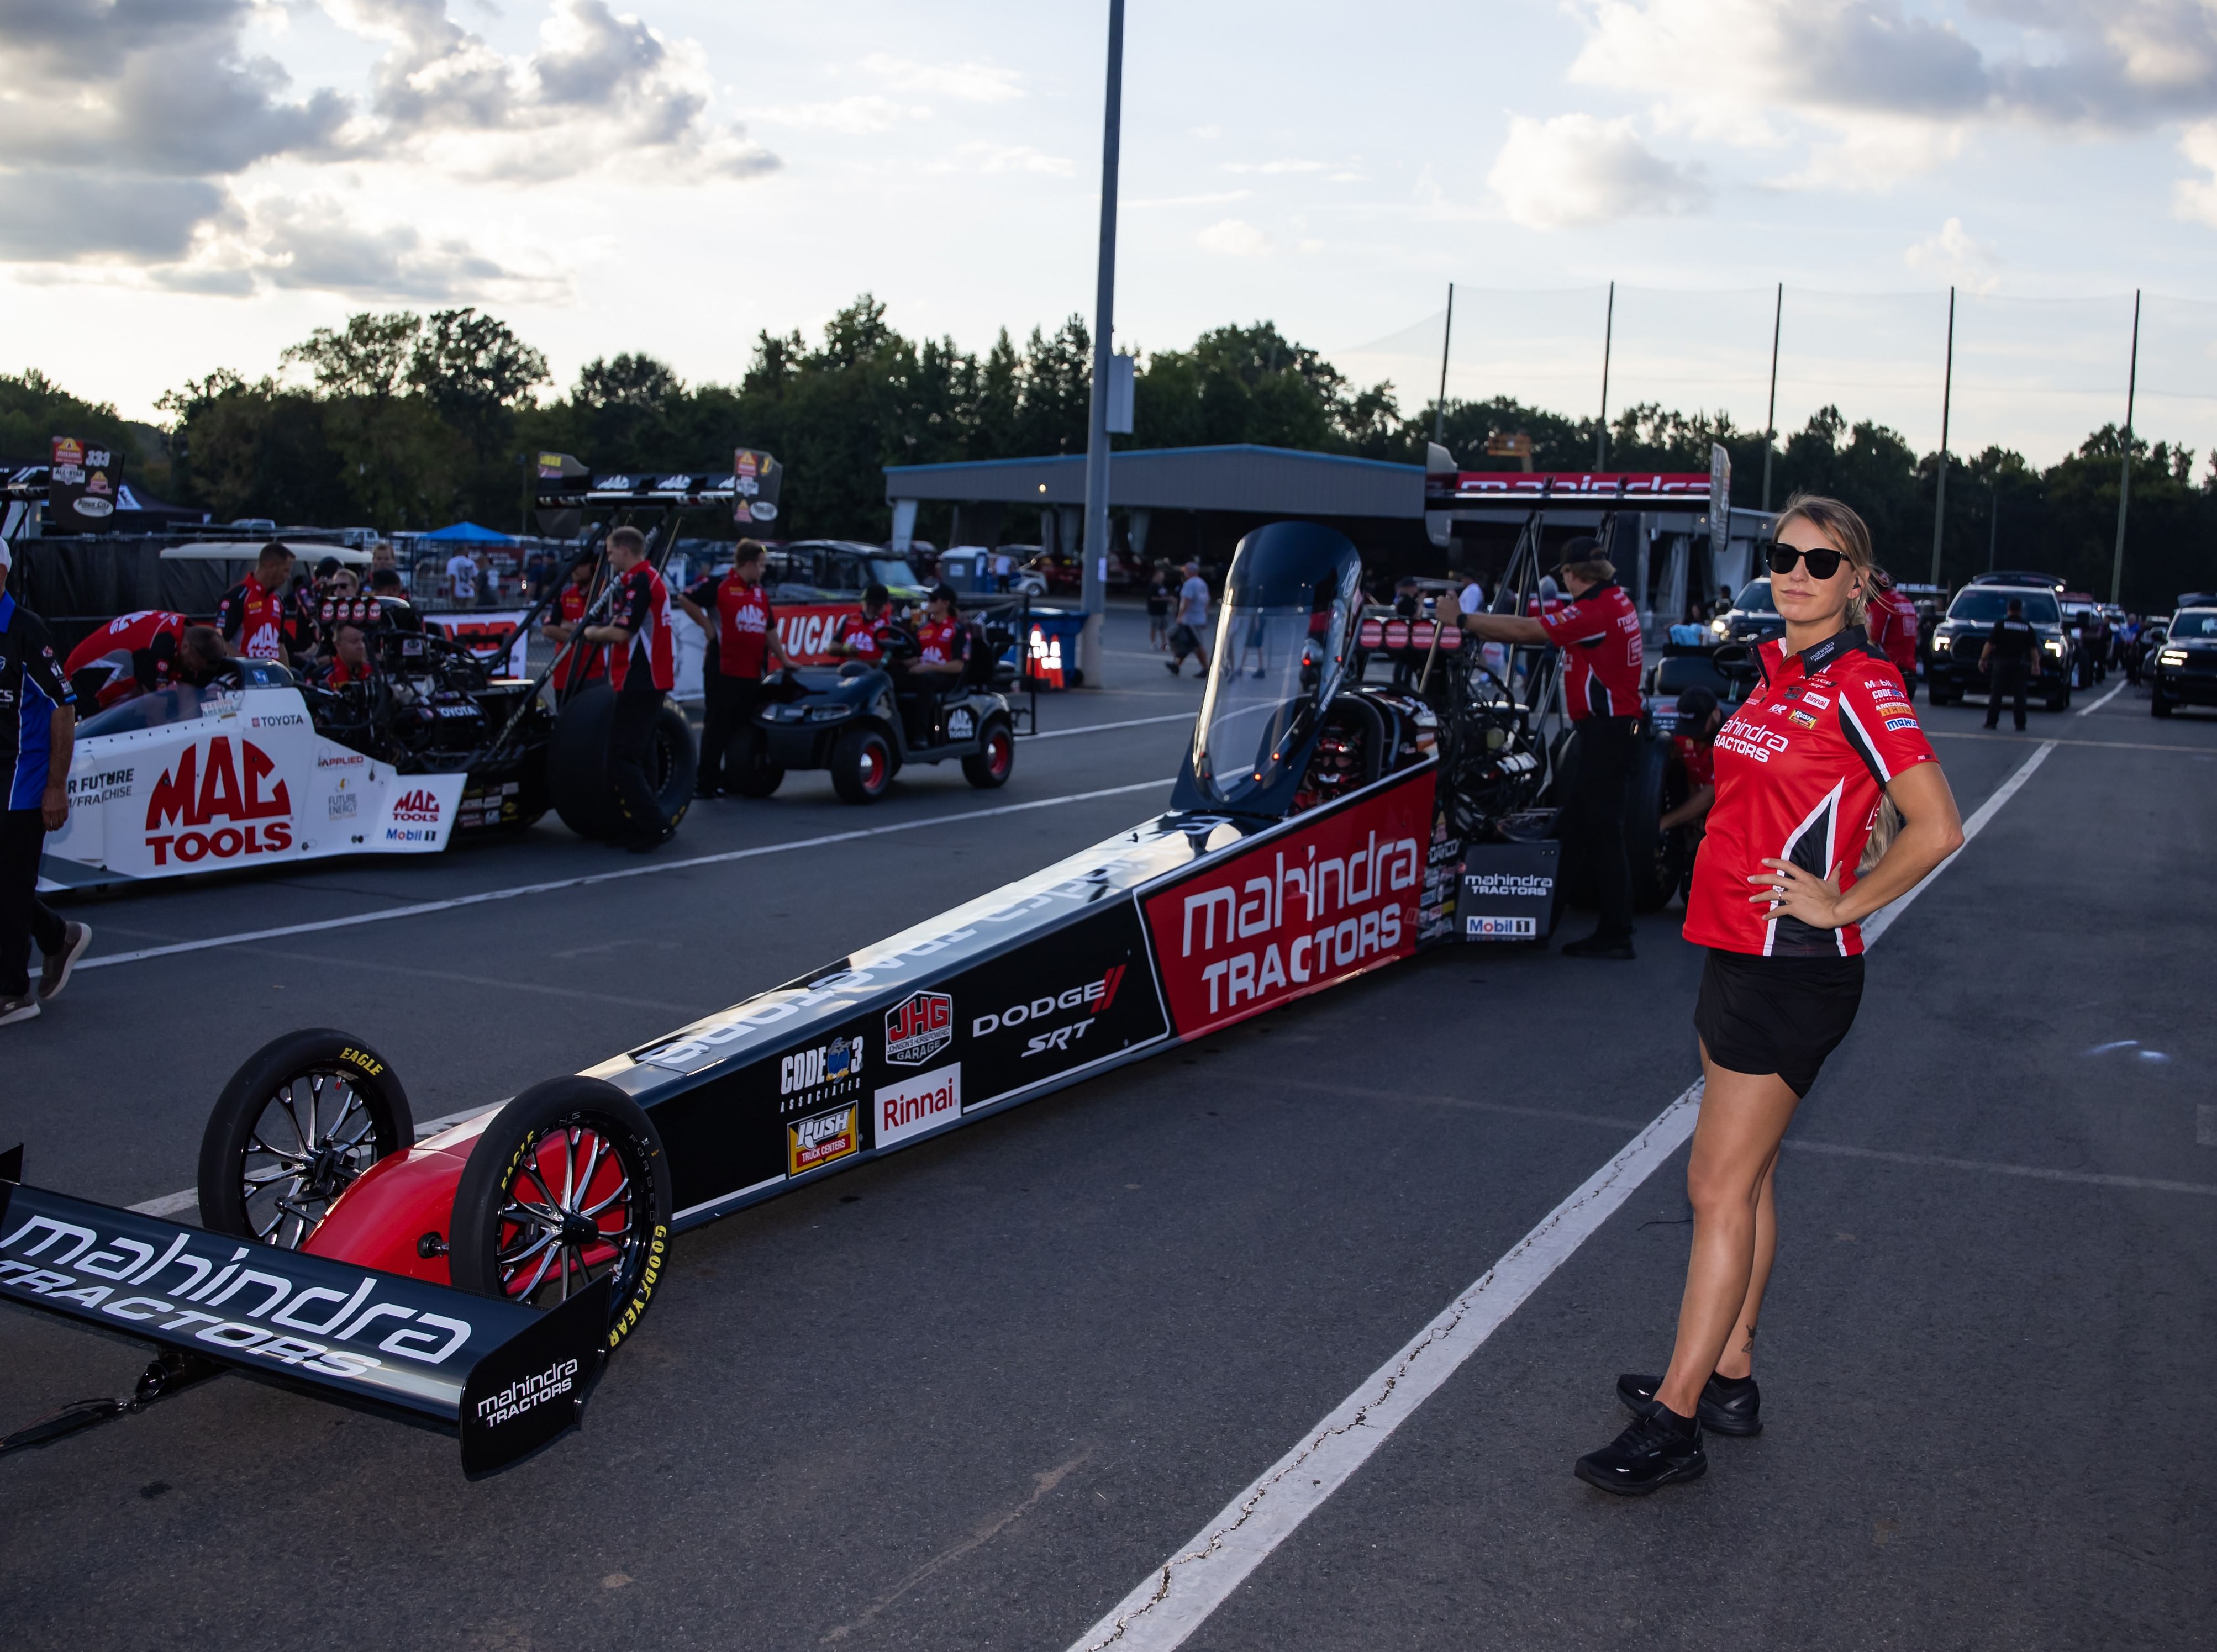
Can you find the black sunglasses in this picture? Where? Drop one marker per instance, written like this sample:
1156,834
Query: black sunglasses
1823,561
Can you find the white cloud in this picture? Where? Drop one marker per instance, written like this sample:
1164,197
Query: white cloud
315,244
1273,168
2195,200
1574,170
1954,252
1218,199
1235,237
974,83
1207,134
1004,157
860,115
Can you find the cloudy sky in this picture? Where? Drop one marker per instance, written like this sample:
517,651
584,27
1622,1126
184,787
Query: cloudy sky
191,183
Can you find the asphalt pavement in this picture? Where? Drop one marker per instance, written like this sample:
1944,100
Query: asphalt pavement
970,1395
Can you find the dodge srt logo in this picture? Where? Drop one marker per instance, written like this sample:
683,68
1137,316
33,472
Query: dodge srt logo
192,796
1094,998
918,1028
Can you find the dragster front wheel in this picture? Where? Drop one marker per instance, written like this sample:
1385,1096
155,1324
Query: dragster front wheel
568,1184
303,1117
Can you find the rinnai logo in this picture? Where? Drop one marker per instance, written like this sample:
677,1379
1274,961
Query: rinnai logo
811,1143
1094,997
919,1103
201,791
529,1394
419,804
918,1028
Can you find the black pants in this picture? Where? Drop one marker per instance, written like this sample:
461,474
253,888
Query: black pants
1593,817
728,719
2008,677
631,758
24,917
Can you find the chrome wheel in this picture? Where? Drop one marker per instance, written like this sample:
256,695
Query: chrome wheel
569,1213
314,1136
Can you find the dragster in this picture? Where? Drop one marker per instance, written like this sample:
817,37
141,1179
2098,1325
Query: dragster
1321,828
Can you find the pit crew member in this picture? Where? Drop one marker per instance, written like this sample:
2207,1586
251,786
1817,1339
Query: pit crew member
942,644
582,663
253,616
643,668
1802,770
350,661
1893,625
137,653
38,732
858,638
734,613
1598,631
1700,717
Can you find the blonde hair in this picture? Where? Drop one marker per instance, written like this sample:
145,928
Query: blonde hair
1840,524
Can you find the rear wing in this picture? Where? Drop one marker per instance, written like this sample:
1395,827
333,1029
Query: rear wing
508,1378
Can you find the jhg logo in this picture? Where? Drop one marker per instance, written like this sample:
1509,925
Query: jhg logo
419,804
918,1028
197,794
527,1392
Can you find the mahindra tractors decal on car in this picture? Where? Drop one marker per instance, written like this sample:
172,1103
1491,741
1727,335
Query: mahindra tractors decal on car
1304,910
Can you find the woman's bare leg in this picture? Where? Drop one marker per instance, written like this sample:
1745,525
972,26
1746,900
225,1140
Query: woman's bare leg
1739,1358
1744,1119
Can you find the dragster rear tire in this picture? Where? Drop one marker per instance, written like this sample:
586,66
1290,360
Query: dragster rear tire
295,1105
581,1147
579,771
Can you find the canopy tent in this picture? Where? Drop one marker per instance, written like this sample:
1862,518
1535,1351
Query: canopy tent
466,533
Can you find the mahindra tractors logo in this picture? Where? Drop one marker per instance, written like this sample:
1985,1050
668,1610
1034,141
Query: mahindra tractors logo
199,792
528,1393
918,1028
418,805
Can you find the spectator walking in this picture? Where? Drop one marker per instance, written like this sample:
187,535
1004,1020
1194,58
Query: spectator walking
1192,625
38,732
1159,609
462,577
2011,657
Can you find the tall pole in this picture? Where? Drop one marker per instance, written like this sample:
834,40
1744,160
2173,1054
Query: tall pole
1993,517
2125,481
1947,394
1608,337
1440,415
1096,548
1770,411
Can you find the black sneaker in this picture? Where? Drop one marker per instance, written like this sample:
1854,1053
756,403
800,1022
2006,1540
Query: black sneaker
1724,1408
54,971
1650,1453
1599,946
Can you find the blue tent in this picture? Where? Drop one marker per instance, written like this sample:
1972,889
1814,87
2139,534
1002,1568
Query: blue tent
466,533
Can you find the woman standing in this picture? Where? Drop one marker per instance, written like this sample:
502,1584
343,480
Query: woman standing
1804,772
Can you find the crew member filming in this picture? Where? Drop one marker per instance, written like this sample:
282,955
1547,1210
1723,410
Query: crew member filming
2010,656
643,669
1598,632
734,613
253,615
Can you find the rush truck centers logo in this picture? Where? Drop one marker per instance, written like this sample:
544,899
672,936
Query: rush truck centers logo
812,1143
918,1028
199,792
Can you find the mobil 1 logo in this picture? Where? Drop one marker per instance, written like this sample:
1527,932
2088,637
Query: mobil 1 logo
1076,995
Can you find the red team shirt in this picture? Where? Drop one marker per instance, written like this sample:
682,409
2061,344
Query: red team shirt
1801,770
585,661
859,636
939,641
743,622
643,609
1893,623
152,631
1599,635
259,618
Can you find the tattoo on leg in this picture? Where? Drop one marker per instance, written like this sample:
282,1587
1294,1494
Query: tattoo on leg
1747,1346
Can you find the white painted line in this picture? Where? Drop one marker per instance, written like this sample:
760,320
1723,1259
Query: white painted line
1988,1167
1177,1597
1097,728
168,1205
421,908
2089,711
1882,919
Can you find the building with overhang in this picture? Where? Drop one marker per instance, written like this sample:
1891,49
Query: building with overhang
1173,504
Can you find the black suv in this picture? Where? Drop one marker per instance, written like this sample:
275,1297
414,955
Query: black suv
2184,665
1960,637
1753,617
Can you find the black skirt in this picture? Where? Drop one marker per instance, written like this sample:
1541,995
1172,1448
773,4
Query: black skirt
1782,1015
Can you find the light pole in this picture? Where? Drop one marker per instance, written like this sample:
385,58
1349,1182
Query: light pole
2125,480
1095,552
1947,394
